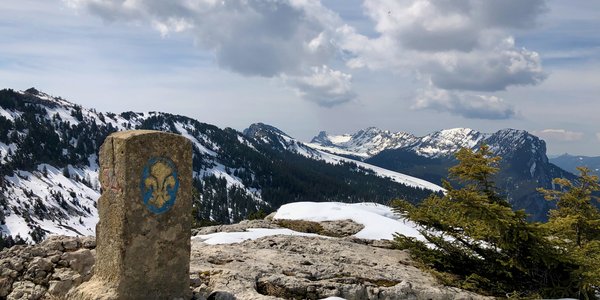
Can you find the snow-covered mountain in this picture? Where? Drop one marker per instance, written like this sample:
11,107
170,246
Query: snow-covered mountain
362,144
524,166
49,182
371,141
279,140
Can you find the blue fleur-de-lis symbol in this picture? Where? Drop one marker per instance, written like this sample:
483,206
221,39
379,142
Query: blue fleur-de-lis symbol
159,184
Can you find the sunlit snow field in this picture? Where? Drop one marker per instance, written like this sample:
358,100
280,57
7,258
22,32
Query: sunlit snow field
379,220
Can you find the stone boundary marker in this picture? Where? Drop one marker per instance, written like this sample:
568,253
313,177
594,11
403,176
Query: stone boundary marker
143,236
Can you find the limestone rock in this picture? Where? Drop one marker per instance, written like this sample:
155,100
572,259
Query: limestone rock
342,228
48,268
144,217
26,290
312,268
239,227
275,267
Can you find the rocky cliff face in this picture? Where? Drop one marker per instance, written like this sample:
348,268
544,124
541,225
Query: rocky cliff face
272,267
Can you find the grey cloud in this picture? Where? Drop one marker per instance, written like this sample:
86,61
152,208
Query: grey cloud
489,72
454,45
465,105
419,38
325,86
278,38
255,38
510,13
560,135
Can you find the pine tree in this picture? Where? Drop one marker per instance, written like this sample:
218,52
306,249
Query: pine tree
66,172
574,227
477,241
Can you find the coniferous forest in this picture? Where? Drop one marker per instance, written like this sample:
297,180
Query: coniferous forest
477,242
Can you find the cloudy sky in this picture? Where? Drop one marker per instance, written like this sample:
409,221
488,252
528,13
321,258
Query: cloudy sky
308,65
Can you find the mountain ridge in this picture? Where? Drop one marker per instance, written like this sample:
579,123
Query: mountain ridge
49,183
523,168
570,162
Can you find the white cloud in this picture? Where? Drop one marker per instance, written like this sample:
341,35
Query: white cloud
279,38
560,135
460,45
256,38
466,105
324,86
598,135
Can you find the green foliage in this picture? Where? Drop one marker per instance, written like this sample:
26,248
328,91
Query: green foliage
474,235
257,215
7,241
574,227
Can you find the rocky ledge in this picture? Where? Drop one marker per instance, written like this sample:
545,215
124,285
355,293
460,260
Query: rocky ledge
47,270
272,267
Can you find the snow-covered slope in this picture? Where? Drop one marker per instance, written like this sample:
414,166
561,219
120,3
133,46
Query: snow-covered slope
395,176
48,177
277,138
447,142
45,200
379,221
364,143
444,143
48,167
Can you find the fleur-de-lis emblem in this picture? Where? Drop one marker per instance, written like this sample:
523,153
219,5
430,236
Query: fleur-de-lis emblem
159,185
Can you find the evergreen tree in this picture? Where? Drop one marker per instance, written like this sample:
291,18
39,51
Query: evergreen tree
476,241
66,172
574,227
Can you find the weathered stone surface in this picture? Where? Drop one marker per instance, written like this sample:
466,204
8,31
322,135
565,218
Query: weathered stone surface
239,227
26,272
81,261
311,268
143,236
5,286
294,267
26,290
341,228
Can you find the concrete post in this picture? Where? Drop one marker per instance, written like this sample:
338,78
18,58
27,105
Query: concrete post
143,236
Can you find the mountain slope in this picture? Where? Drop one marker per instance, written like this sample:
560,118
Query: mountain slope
362,144
571,162
276,139
523,168
48,170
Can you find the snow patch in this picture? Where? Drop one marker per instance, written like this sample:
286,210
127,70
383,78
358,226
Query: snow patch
379,220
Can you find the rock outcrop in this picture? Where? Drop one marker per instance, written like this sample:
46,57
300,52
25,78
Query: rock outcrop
274,267
310,268
47,270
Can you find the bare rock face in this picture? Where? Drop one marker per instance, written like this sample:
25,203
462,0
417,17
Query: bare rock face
50,268
310,268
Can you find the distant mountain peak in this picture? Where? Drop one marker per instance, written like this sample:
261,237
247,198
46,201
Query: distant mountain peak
258,129
363,143
372,140
40,97
32,91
